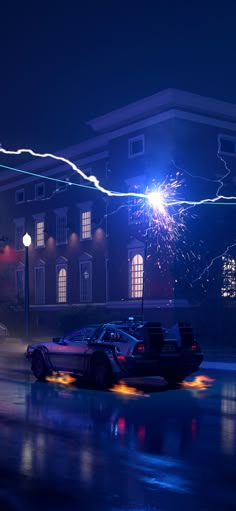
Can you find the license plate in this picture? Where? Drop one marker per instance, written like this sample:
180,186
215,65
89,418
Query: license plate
168,347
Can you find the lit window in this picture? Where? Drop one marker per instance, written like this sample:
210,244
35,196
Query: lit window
228,288
20,196
39,191
40,234
19,233
40,285
85,225
61,285
136,276
136,146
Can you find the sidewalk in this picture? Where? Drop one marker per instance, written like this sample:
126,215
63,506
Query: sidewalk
213,359
223,366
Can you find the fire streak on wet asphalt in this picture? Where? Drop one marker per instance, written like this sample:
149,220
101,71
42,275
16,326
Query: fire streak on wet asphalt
64,446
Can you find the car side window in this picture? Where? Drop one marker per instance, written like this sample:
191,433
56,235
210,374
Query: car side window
108,335
115,336
122,336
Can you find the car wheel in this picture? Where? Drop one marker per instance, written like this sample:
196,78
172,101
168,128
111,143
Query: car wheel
101,375
38,366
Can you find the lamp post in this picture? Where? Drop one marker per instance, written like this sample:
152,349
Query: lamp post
144,267
156,205
26,242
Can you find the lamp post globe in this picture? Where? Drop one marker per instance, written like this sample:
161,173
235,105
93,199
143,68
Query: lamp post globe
26,240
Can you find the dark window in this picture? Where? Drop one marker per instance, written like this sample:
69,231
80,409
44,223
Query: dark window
20,196
137,147
86,281
39,191
20,283
39,286
61,229
19,233
227,146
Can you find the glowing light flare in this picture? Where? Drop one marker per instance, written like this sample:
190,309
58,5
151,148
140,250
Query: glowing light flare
62,378
157,201
200,382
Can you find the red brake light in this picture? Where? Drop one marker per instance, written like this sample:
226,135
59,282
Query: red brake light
194,347
140,348
121,358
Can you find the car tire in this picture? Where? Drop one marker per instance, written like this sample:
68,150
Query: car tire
38,367
101,374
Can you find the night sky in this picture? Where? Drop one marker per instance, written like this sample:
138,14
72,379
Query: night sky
63,63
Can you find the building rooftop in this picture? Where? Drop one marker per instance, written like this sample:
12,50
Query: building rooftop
162,102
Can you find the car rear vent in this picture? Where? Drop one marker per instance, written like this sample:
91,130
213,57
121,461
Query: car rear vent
186,334
153,336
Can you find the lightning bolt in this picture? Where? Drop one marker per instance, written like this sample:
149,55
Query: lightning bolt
91,179
94,180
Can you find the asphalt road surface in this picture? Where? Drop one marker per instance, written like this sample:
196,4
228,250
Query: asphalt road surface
68,447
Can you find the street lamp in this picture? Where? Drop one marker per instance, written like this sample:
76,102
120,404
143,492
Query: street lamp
156,205
26,242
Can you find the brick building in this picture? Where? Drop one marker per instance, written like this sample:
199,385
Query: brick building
89,250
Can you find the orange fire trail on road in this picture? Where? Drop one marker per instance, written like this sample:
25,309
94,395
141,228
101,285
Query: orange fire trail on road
122,388
62,378
201,382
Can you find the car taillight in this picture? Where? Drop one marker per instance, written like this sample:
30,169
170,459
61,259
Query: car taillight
139,348
121,358
194,346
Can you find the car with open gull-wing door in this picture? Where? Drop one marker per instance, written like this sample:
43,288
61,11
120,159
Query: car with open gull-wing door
106,353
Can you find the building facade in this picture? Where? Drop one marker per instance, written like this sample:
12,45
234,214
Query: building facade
93,249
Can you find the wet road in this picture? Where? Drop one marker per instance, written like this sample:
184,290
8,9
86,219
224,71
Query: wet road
64,447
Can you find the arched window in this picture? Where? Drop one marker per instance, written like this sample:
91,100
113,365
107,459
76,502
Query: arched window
62,285
136,277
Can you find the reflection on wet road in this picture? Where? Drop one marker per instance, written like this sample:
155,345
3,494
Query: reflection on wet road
65,446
